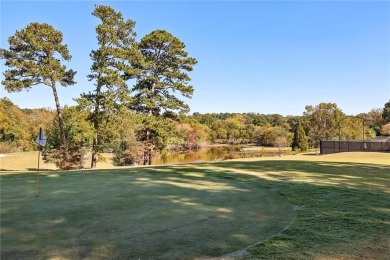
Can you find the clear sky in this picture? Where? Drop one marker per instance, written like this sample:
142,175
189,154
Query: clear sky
254,56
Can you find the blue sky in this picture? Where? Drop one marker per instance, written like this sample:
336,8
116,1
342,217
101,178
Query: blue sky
255,56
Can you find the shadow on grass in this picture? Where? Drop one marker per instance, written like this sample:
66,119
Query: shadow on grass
344,206
343,210
353,175
145,213
6,170
28,170
41,170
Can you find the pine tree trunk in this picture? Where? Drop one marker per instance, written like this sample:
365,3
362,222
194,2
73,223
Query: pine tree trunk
60,119
94,154
96,126
95,143
148,148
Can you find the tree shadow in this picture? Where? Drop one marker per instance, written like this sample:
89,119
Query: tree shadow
28,170
155,212
6,170
41,170
344,206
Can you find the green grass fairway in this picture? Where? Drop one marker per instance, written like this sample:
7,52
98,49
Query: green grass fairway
125,214
294,207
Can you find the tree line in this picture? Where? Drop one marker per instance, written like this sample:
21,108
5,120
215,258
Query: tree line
123,133
136,109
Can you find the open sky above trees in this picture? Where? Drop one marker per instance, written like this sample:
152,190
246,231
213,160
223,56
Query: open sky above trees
267,57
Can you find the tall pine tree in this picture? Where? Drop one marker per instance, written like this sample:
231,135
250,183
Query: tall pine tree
113,63
34,58
163,76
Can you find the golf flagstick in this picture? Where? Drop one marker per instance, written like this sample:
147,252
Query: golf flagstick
37,180
41,141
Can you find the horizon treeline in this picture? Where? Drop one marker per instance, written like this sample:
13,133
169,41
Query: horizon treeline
19,128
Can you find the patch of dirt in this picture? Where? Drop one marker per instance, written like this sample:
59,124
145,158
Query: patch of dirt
379,248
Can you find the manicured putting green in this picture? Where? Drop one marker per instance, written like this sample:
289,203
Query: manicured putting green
160,212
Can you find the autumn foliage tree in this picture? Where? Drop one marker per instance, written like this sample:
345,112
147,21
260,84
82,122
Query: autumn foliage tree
19,127
13,126
323,122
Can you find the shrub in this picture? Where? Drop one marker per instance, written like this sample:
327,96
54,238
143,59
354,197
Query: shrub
65,158
129,153
385,129
6,147
230,155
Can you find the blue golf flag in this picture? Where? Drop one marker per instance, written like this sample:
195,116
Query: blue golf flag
41,138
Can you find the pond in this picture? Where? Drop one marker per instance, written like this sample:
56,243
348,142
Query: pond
213,153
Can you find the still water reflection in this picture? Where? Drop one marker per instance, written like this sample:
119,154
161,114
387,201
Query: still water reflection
203,154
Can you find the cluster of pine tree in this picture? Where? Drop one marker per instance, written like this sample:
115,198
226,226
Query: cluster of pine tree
158,63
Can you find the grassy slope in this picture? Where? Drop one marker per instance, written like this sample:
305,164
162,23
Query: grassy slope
343,201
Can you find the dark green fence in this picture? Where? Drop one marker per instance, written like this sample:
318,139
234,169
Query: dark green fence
335,146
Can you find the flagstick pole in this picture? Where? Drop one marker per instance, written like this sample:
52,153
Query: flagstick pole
37,181
41,141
